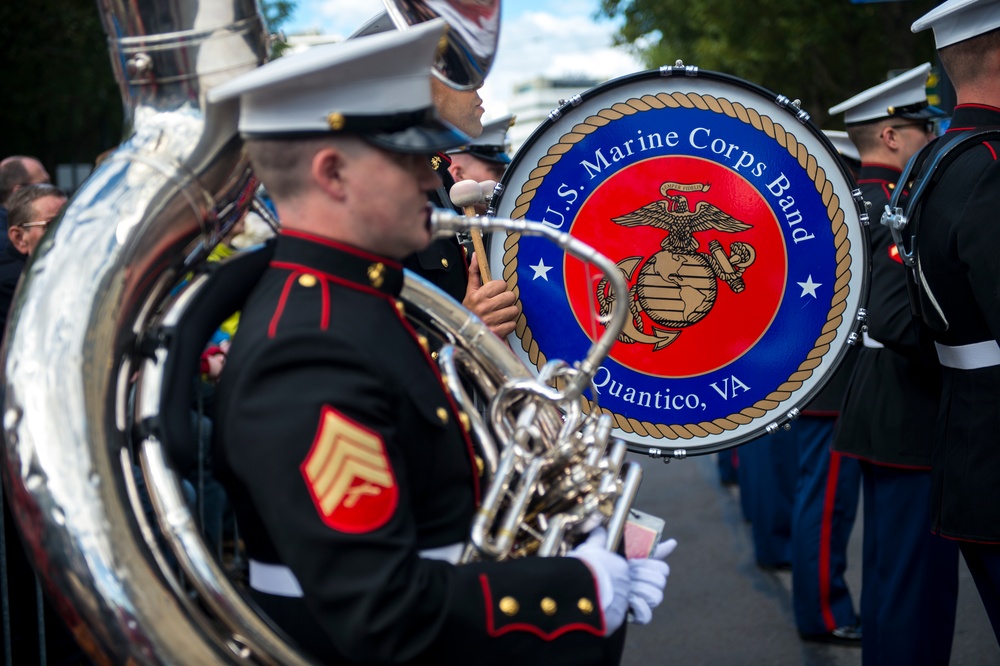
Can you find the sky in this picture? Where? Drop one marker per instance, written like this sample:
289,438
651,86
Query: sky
537,38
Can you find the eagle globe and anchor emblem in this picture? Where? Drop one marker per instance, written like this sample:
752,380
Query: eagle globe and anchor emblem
677,286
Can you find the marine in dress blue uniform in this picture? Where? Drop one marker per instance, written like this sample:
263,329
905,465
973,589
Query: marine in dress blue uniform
957,263
349,466
909,576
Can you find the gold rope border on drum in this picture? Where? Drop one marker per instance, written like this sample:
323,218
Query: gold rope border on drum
797,150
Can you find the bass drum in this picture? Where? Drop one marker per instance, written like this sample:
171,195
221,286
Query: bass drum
738,230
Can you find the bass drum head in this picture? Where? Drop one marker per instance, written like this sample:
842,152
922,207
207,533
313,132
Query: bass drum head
737,229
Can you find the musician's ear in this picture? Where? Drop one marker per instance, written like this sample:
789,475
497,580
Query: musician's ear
890,137
327,170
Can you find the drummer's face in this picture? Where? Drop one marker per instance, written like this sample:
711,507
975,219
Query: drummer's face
461,108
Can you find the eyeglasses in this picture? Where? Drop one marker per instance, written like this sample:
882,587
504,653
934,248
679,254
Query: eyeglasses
927,127
40,223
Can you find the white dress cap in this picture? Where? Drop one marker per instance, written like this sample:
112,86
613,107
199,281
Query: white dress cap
378,87
843,144
903,96
492,145
957,20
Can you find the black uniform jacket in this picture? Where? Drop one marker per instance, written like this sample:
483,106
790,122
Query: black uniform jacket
891,406
345,458
958,245
444,263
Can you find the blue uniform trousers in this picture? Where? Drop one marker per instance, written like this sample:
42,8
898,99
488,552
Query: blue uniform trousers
767,470
910,576
826,504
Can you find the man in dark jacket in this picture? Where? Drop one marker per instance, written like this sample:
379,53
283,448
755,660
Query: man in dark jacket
346,460
956,234
909,576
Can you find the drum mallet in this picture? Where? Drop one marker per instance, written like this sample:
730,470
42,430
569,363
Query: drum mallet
468,193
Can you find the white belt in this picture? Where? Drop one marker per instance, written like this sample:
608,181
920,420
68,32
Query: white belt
870,342
277,579
969,357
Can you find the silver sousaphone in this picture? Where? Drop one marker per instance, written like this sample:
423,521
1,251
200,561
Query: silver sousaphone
95,330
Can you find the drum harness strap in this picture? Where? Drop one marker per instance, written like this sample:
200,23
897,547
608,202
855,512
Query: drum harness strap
903,223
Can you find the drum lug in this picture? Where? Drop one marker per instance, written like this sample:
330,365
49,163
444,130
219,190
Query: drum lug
862,315
679,68
497,193
556,114
795,106
852,339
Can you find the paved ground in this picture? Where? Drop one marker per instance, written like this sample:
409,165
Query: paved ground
721,609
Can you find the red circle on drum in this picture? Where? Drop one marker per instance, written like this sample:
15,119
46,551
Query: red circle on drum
704,258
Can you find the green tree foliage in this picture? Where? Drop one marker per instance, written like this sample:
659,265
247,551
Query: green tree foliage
818,51
60,101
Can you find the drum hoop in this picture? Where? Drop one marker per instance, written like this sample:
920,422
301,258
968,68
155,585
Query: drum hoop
824,188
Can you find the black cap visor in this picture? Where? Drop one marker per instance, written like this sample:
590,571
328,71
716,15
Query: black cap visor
430,136
924,113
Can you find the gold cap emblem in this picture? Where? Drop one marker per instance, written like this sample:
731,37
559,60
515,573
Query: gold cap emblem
435,162
549,606
509,606
585,605
335,120
307,280
376,274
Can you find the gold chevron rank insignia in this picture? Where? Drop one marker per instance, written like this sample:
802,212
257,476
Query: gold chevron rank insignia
348,475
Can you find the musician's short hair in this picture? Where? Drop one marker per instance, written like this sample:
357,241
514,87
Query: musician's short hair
867,137
966,61
22,203
283,164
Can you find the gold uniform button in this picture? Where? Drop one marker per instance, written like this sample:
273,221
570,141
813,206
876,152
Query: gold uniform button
307,280
400,308
463,418
509,606
376,274
549,606
422,339
442,414
585,605
444,262
480,465
892,186
434,355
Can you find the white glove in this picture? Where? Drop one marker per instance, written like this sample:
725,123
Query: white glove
648,577
612,574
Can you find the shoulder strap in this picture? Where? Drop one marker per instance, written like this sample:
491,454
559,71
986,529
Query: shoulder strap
926,172
903,222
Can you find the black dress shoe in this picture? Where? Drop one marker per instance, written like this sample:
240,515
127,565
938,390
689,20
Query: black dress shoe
846,635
